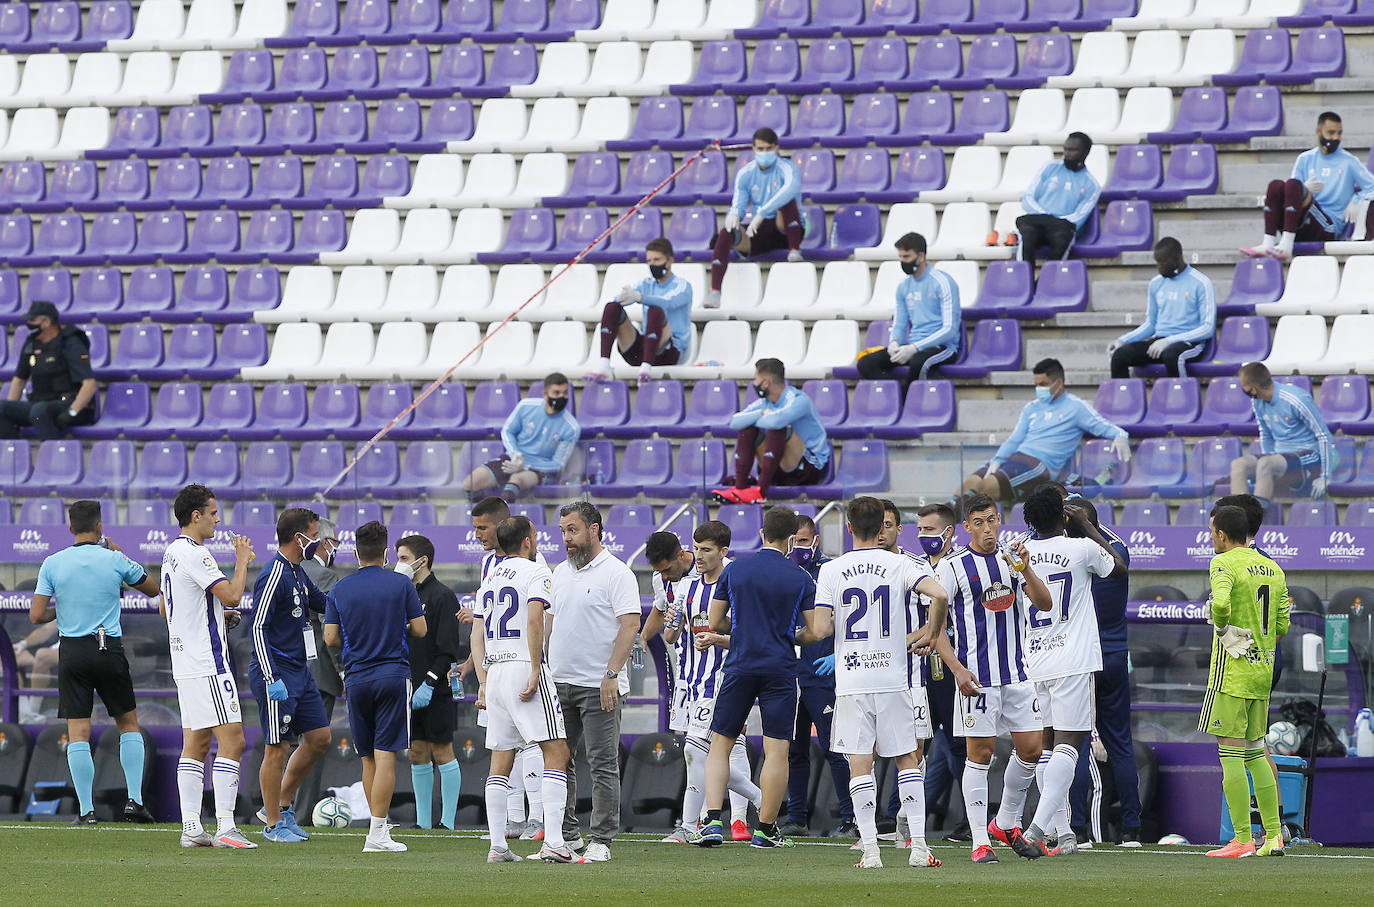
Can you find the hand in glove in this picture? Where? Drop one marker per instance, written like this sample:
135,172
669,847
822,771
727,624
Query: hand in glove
1314,185
423,694
1122,448
824,666
1318,488
276,691
904,354
511,465
1156,349
629,295
754,223
1352,211
1237,641
731,222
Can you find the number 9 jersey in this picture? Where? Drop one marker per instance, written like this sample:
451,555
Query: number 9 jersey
868,591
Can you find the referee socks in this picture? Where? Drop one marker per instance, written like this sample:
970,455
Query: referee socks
83,772
450,785
131,760
422,779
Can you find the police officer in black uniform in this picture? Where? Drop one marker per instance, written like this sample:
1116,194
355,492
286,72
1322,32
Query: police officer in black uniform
57,359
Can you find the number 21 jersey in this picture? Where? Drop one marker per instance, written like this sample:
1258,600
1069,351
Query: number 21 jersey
867,589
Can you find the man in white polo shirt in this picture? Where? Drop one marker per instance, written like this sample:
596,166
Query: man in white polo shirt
595,619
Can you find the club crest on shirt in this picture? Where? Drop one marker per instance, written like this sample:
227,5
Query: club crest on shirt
998,597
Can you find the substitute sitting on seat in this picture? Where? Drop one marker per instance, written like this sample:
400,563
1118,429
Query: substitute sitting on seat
1058,201
1179,320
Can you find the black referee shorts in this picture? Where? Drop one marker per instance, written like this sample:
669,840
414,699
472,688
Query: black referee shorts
83,670
436,722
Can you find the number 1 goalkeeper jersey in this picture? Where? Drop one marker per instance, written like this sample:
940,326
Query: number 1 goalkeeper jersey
1248,591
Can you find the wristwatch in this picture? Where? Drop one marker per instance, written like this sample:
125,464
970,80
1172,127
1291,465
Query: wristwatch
612,675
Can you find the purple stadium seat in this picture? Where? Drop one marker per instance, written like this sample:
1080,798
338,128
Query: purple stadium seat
991,15
1319,54
709,408
1208,463
341,124
14,25
228,412
646,463
691,231
228,181
929,406
42,512
866,174
352,69
980,112
74,184
872,116
929,115
937,16
627,243
106,20
397,122
938,58
777,17
291,125
706,181
1157,462
1007,290
124,405
1145,514
820,118
917,169
776,66
15,464
268,236
1241,339
1192,171
772,111
109,470
596,177
16,236
384,175
1265,53
190,351
153,511
310,20
57,463
216,235
282,407
302,70
511,64
136,130
161,471
189,130
1359,482
1255,280
112,235
518,18
240,126
1061,287
266,469
1175,403
53,285
428,468
385,400
657,119
580,227
631,515
152,292
1127,225
161,233
1121,401
1137,168
531,230
994,347
463,18
140,347
745,521
1312,513
280,179
377,472
334,181
721,65
1201,110
125,182
1046,14
815,170
700,465
1344,459
99,335
829,17
990,58
319,231
1344,399
251,71
414,513
337,405
883,16
412,20
862,468
604,405
658,405
59,236
1225,408
1362,14
492,402
461,68
711,118
568,16
829,64
885,62
99,293
877,406
831,399
1047,54
362,20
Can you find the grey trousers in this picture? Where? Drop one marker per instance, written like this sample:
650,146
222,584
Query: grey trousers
599,731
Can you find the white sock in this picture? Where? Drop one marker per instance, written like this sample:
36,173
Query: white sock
743,790
1015,783
378,828
605,367
190,787
225,779
911,787
976,801
864,793
1054,793
515,799
554,784
1061,818
1269,241
533,779
1286,241
498,788
694,798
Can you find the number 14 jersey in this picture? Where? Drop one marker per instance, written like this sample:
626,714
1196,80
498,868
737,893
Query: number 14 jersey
867,589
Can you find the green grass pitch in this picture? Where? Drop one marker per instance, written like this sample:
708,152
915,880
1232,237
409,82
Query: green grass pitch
125,865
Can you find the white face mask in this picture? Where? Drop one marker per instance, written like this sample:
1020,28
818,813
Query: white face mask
405,570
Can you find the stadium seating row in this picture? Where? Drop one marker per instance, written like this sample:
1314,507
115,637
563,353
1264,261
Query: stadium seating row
191,351
1178,405
161,25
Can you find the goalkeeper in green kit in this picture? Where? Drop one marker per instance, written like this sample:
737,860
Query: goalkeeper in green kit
1250,613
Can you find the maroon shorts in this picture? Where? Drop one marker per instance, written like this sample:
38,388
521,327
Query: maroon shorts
667,355
806,473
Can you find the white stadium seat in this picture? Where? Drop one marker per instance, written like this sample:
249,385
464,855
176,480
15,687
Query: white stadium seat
401,345
4,127
1354,297
1154,14
1100,55
158,20
207,21
33,134
373,231
1298,341
1352,337
437,177
508,346
541,174
1022,164
785,340
882,302
667,63
450,343
1154,55
148,78
603,120
975,168
498,120
616,63
722,19
564,65
618,19
198,72
1145,110
258,20
560,347
727,344
475,230
741,291
967,277
1262,13
309,292
46,79
845,285
551,119
1004,223
464,294
833,342
902,218
490,179
573,296
1092,110
1209,14
963,228
294,346
357,296
426,231
9,77
514,285
411,293
671,20
1037,110
93,75
627,372
790,292
346,346
1311,280
83,128
1210,51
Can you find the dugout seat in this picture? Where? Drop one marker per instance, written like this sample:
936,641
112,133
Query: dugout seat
655,777
470,748
14,761
109,790
48,764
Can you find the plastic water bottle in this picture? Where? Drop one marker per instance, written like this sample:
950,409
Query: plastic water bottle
637,655
1364,733
455,683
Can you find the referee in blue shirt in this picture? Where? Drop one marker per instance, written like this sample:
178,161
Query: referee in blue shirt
758,600
369,614
86,580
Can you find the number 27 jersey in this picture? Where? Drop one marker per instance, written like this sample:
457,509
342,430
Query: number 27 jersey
504,599
868,591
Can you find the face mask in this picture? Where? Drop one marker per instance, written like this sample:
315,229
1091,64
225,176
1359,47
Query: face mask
308,546
908,267
1252,396
1074,164
329,561
802,557
760,389
557,404
33,326
1171,271
932,544
1044,394
1330,145
658,272
766,159
406,570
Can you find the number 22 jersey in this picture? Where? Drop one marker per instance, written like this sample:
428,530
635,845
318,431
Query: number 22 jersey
509,590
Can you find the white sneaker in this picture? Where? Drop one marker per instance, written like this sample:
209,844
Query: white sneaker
199,840
1085,845
712,300
921,856
1255,251
598,853
514,830
1068,844
534,831
644,376
563,854
601,371
681,835
871,859
383,845
794,255
234,839
504,855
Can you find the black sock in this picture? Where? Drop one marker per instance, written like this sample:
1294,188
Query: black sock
769,829
713,815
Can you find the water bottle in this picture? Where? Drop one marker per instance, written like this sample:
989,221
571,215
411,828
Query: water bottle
637,655
1364,733
455,683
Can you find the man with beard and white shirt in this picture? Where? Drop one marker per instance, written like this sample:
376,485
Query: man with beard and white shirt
595,620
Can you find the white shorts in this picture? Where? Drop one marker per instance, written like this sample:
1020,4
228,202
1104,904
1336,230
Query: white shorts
208,702
677,710
1067,702
512,722
998,710
892,723
699,715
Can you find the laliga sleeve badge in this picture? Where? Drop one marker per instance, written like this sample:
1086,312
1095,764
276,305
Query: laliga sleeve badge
998,597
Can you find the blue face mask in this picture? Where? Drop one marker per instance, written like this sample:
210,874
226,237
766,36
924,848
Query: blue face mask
1044,394
766,158
931,544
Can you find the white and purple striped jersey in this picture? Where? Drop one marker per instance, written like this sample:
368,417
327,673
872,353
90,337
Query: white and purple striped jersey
988,643
1064,640
870,591
920,604
195,617
503,602
492,558
700,671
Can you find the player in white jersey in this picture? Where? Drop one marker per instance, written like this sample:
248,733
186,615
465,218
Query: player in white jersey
671,564
988,603
516,687
526,824
194,595
865,598
1063,651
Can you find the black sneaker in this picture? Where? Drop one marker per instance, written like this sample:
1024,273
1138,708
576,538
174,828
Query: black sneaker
137,812
88,819
960,834
794,830
845,830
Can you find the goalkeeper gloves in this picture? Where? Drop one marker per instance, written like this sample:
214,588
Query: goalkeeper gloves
1237,641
